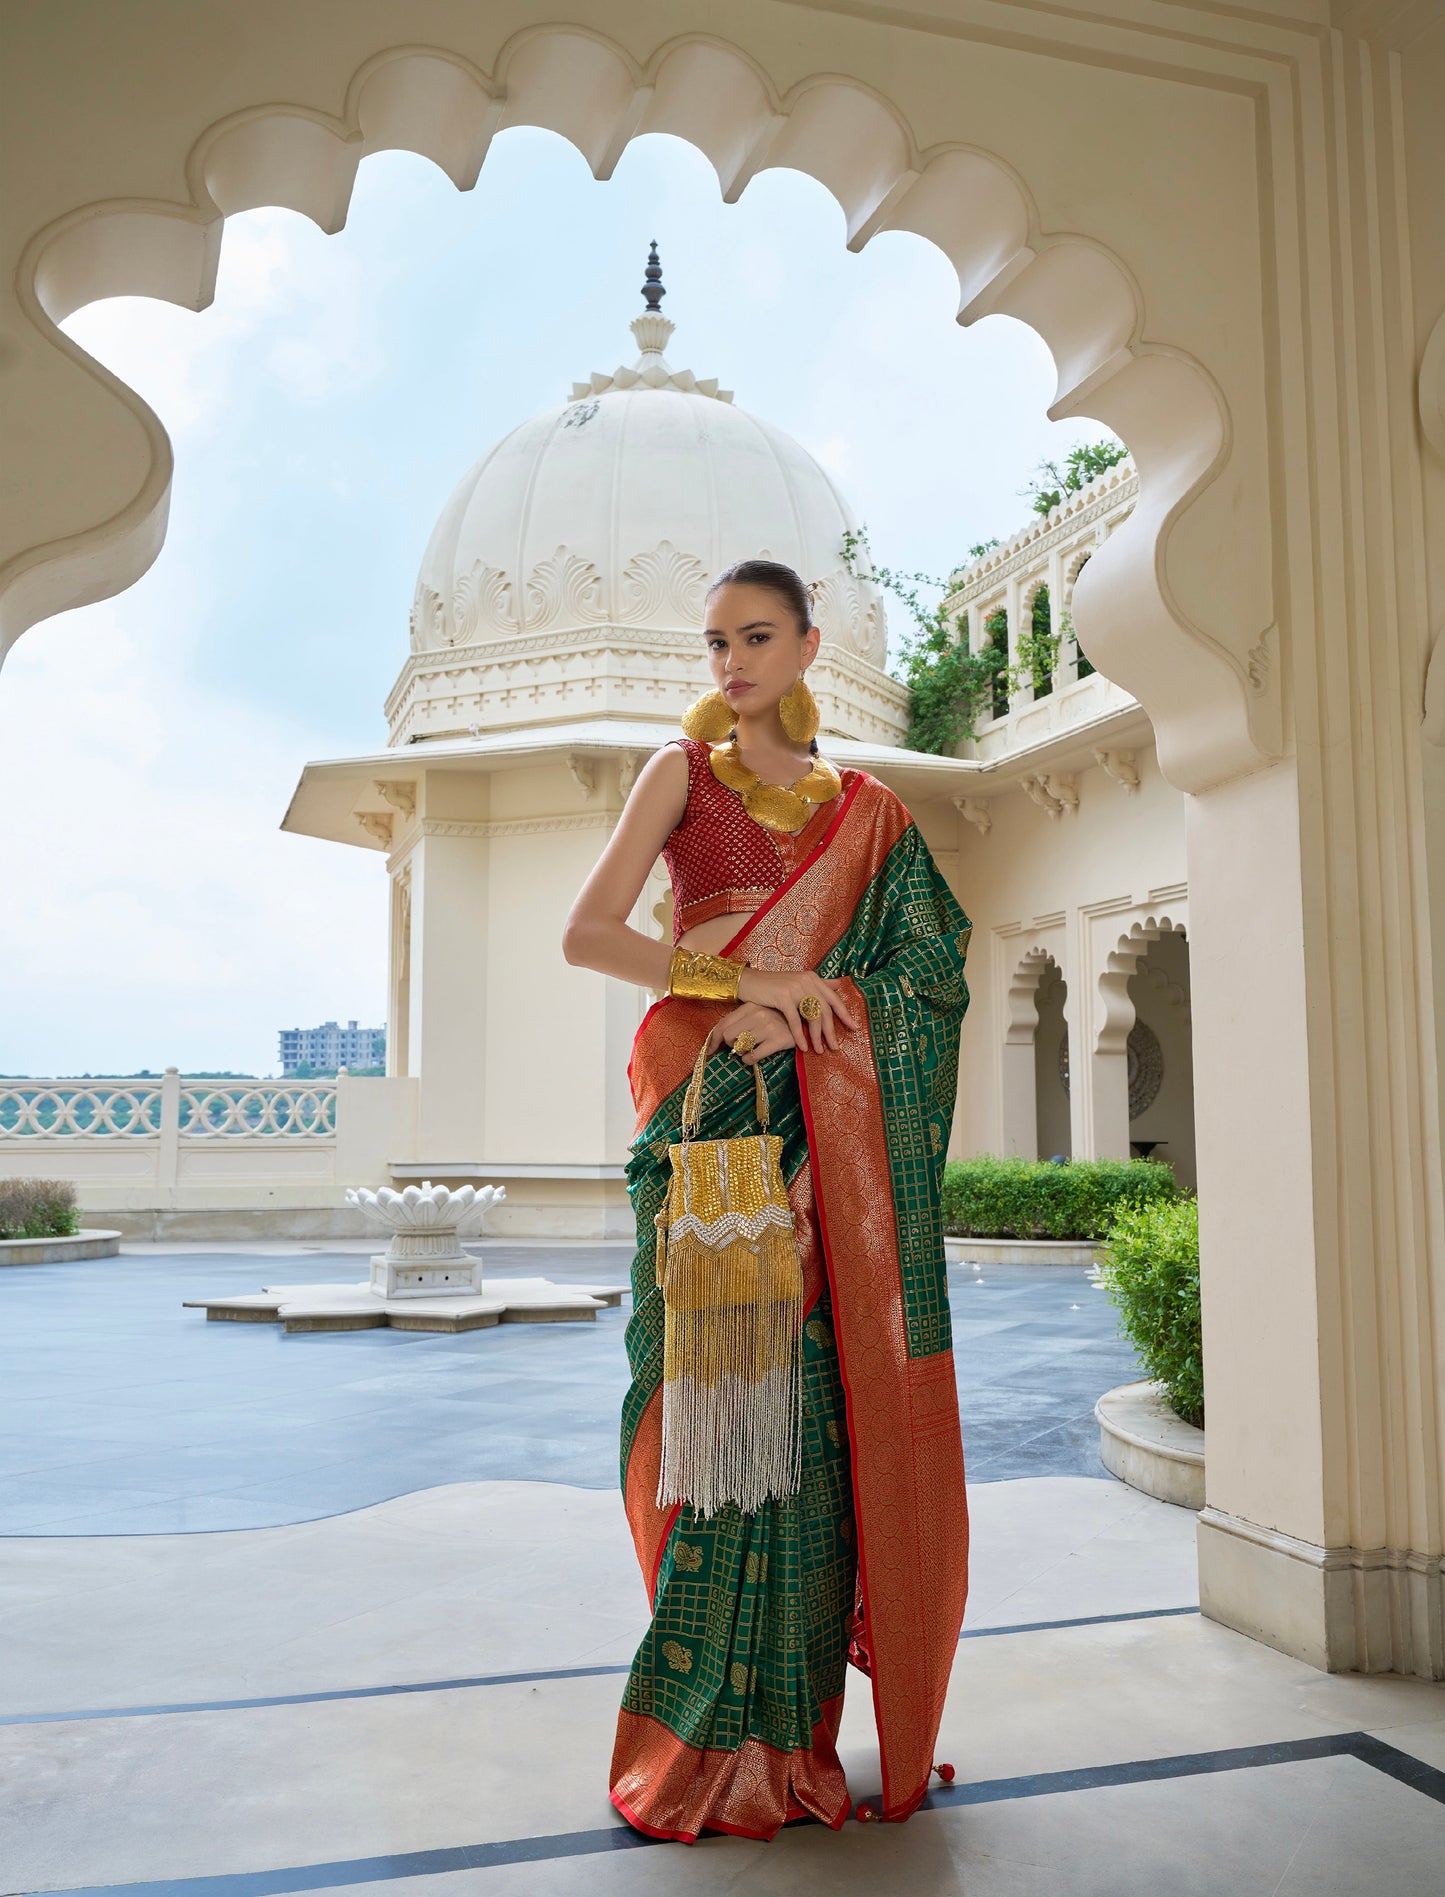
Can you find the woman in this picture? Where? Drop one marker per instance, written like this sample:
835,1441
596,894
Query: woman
814,937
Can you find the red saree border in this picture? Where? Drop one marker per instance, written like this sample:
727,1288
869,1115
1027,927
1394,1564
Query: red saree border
751,1792
909,1499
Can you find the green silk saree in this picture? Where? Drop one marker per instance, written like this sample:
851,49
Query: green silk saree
731,1710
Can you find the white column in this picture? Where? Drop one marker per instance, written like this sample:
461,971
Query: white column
449,955
1066,671
1024,694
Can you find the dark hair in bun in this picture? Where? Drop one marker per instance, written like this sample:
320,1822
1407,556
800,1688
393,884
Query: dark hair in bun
778,579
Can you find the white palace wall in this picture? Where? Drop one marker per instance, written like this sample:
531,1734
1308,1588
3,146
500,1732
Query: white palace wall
1072,888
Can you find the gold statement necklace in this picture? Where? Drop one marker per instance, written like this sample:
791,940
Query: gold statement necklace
785,807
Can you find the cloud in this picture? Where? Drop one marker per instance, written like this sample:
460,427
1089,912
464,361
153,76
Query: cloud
166,918
293,307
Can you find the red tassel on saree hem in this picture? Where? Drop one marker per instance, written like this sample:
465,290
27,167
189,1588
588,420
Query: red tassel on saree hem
669,1789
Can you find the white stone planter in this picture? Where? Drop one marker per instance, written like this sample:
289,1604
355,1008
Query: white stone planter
1145,1444
425,1257
51,1251
1021,1251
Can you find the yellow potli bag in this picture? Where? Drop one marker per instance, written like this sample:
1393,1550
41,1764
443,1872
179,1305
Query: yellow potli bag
732,1288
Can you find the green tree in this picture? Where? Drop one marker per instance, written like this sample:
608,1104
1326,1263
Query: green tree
1051,482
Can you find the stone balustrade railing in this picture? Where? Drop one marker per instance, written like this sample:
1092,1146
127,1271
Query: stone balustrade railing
45,1110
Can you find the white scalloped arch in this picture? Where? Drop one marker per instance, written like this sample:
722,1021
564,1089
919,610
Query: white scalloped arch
1116,1009
1080,299
1023,989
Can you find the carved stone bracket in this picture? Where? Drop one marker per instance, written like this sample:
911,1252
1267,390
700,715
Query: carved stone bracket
584,772
376,823
1053,791
401,795
1121,766
627,772
975,810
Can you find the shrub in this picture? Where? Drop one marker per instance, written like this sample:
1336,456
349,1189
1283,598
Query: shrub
38,1208
1149,1267
991,1197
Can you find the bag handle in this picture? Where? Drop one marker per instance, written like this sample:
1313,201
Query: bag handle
692,1099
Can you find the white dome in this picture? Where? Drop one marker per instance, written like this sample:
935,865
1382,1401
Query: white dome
620,506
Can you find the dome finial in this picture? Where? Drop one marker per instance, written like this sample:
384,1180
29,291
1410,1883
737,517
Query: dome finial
652,290
652,370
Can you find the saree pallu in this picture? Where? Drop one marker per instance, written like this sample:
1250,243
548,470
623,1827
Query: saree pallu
730,1717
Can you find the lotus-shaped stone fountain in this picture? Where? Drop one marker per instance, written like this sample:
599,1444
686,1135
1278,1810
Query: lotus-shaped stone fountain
425,1257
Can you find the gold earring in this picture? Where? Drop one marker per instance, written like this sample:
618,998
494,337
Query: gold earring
709,720
798,710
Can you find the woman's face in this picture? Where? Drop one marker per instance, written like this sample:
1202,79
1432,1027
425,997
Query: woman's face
753,646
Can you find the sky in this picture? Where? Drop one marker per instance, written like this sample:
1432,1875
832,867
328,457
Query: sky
321,411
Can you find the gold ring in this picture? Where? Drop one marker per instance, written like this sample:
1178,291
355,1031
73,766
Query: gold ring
746,1042
810,1007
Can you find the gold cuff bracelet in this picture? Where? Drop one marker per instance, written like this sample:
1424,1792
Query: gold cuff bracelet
703,977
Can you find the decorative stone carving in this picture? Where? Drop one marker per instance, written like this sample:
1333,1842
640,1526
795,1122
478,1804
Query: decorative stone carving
1053,791
482,605
666,584
1121,766
1146,1066
975,810
564,587
1260,662
651,370
627,773
852,614
428,618
584,772
425,1258
401,795
376,823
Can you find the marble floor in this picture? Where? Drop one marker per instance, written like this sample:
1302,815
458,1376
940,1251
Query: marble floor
415,1692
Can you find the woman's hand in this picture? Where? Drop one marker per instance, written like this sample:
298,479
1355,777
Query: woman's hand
769,1027
783,990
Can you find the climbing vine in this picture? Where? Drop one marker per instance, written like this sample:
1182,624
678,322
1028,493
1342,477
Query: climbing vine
951,688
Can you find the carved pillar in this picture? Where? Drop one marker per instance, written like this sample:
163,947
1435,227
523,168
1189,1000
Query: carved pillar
1019,1103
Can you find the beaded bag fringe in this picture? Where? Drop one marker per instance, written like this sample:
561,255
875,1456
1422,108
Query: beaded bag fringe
732,1285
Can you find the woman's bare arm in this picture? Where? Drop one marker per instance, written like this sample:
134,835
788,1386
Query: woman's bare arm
597,934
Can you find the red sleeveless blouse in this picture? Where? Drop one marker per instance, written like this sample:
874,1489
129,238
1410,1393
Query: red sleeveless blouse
721,860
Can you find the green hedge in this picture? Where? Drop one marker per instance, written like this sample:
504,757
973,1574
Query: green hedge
38,1208
989,1197
1149,1267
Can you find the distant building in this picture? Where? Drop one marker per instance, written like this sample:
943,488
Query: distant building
332,1046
